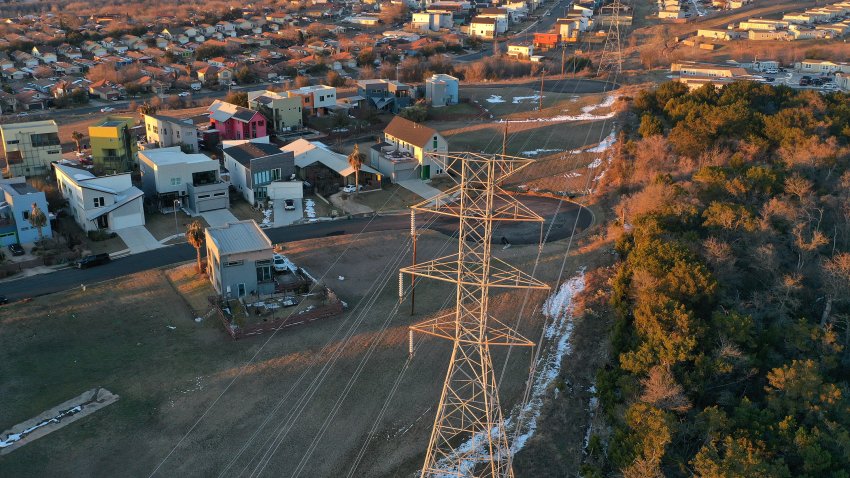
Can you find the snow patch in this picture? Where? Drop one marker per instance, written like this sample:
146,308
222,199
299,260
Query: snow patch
537,152
16,437
586,115
519,99
495,99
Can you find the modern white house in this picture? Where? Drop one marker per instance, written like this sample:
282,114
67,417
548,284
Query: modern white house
442,90
106,202
239,259
315,99
165,131
16,200
172,178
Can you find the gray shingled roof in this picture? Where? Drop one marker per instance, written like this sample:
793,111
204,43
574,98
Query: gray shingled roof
245,152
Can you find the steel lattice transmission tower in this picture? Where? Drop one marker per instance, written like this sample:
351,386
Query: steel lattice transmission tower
612,55
469,408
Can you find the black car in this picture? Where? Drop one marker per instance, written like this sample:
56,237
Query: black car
3,300
91,261
16,250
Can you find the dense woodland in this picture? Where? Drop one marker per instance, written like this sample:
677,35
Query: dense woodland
731,337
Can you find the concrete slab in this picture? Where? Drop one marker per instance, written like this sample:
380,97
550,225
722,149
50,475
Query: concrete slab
282,217
419,188
138,239
219,217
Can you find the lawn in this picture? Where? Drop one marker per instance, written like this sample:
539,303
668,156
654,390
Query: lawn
391,198
534,140
136,336
518,99
164,225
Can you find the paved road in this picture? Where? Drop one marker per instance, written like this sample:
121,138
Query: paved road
562,216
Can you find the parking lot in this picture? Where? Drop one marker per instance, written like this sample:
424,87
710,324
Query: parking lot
792,79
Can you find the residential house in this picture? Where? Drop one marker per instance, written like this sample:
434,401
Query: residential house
236,122
172,178
30,147
501,16
239,259
822,66
483,28
442,90
18,198
255,165
46,54
432,21
386,95
113,147
520,51
106,90
165,131
110,203
315,99
410,150
283,112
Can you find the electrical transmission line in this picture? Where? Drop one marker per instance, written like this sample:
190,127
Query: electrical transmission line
611,60
469,437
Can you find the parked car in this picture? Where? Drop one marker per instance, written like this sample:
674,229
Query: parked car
93,260
3,300
282,264
769,79
183,94
16,250
289,205
289,301
350,188
107,109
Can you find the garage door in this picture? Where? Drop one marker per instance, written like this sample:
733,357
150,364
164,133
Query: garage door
211,204
405,174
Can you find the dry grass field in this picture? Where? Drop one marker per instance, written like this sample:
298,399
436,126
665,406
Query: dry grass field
308,396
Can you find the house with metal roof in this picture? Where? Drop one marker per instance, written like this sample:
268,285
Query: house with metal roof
327,170
236,122
100,202
239,259
253,165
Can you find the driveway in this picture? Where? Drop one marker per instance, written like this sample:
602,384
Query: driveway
138,239
219,217
419,188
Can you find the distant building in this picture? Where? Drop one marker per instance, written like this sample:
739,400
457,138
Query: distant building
113,148
236,122
283,112
483,28
386,95
30,147
15,208
239,259
520,51
442,90
106,202
409,150
315,99
822,66
169,175
165,131
255,165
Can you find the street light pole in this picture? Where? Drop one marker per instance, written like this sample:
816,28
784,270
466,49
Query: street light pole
176,205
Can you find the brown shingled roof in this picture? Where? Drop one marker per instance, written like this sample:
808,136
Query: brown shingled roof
410,131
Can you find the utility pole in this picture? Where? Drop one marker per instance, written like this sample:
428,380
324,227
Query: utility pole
413,278
505,139
540,99
469,436
563,60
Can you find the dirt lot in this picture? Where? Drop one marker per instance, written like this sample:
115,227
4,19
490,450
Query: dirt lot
136,336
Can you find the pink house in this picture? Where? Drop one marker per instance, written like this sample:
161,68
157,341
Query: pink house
236,122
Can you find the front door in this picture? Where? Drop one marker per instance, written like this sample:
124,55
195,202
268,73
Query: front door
426,172
240,288
103,222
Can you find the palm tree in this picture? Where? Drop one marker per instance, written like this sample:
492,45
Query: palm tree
196,237
355,160
78,140
38,220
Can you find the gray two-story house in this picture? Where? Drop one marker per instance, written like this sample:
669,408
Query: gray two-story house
386,95
239,259
255,165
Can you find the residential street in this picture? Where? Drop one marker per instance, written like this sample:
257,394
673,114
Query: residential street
517,233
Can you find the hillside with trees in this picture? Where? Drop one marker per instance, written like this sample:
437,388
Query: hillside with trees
731,297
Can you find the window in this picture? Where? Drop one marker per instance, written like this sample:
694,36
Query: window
435,142
99,201
233,263
26,215
203,196
14,141
175,181
275,174
264,273
218,194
